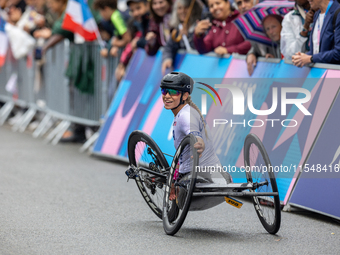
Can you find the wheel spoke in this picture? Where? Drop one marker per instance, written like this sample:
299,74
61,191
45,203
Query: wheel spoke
145,154
177,209
263,179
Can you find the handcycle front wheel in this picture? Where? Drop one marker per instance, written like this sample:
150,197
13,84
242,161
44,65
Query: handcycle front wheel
259,171
175,210
148,160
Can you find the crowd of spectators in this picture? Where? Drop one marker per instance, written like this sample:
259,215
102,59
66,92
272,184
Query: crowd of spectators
310,33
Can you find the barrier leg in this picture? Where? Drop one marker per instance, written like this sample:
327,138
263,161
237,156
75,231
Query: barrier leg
5,111
59,135
27,118
43,126
89,142
18,122
56,130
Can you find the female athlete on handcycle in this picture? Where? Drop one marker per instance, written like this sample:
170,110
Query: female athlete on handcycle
176,88
171,191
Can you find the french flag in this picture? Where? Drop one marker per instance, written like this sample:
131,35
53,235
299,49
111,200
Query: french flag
79,20
3,42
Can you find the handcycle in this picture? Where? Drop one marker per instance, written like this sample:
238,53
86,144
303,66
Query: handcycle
156,180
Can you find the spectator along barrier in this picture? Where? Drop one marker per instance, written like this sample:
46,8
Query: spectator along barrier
290,137
73,85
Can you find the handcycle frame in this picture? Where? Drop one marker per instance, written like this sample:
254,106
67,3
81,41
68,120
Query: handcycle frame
158,174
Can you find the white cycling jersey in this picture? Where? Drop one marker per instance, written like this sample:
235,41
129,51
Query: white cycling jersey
187,121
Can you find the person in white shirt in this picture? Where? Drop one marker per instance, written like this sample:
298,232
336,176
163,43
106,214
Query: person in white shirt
296,29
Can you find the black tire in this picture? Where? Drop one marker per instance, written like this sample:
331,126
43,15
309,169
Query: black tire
144,152
267,207
175,211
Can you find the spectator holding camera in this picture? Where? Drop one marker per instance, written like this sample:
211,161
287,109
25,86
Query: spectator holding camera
159,28
272,27
182,36
223,36
296,29
325,35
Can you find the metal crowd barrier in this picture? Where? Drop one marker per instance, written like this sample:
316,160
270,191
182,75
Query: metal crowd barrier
46,88
8,72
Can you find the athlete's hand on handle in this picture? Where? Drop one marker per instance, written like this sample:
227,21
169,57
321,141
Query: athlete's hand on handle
200,146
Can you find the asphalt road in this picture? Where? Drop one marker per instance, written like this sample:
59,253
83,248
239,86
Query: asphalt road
55,200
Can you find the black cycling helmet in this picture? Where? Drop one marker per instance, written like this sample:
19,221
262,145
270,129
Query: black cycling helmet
178,81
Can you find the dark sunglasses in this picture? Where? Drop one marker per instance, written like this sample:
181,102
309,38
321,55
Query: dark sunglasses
172,92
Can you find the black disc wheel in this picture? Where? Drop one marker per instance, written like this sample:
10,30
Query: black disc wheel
178,193
150,165
259,171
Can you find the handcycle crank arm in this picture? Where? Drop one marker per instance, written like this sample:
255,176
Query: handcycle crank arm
234,194
153,172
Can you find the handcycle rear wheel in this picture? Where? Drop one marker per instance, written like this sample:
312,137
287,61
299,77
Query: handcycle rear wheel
259,171
144,153
173,219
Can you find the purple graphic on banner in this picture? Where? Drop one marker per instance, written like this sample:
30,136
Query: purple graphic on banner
319,188
287,139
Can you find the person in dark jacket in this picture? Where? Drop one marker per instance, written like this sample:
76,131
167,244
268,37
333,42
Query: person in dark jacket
325,36
184,31
223,36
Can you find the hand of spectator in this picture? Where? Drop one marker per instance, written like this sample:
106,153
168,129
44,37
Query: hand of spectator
251,63
151,38
301,59
104,52
220,50
42,33
309,19
27,29
120,72
39,21
202,26
134,43
114,51
113,41
166,64
184,31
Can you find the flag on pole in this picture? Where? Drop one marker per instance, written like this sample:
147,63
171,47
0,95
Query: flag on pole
3,42
79,20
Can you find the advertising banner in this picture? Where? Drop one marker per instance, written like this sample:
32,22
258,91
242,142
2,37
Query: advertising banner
287,109
318,187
